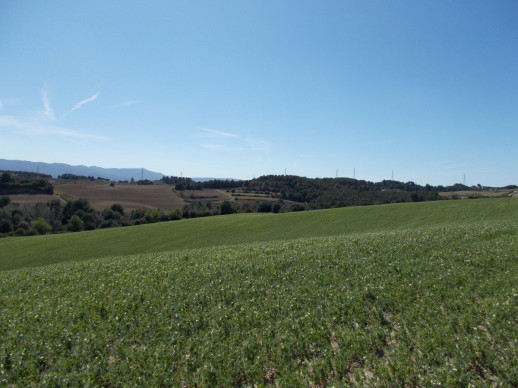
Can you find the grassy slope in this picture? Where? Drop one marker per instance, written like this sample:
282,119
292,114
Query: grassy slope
421,307
245,228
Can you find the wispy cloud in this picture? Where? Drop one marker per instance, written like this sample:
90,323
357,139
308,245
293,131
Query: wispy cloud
48,112
222,148
81,103
220,133
230,142
258,144
1,105
43,123
126,103
34,127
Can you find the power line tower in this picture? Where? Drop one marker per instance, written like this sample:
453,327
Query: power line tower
142,175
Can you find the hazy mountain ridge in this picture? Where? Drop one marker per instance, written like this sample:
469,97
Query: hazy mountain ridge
55,169
114,174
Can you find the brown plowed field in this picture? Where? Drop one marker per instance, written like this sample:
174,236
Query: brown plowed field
130,196
102,195
29,199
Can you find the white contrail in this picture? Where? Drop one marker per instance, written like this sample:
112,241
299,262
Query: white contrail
81,103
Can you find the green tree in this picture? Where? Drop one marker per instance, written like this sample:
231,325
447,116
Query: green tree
5,178
89,221
4,201
226,208
175,214
5,225
153,215
76,224
264,207
78,207
41,226
117,208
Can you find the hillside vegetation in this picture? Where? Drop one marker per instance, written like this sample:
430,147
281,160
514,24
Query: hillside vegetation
89,203
405,295
24,183
245,228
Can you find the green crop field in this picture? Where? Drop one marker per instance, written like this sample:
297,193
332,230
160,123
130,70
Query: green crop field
412,294
246,228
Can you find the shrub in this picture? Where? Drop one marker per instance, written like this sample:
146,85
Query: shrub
4,201
117,208
76,224
106,224
89,221
41,226
264,207
297,207
153,215
137,214
5,225
175,214
226,208
19,232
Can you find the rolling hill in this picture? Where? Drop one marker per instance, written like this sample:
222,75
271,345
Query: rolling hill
246,228
407,295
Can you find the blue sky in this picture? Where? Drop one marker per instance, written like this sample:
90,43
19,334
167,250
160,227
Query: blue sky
425,89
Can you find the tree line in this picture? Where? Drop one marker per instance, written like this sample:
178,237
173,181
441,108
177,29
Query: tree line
323,193
12,184
78,215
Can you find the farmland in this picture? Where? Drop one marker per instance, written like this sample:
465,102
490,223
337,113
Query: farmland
205,195
129,196
32,199
102,196
38,206
487,193
245,196
247,228
408,294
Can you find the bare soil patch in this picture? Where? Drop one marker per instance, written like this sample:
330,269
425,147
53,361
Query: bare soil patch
129,196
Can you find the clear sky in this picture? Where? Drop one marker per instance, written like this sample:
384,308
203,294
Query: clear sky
427,90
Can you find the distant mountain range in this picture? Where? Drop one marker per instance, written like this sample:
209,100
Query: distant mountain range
55,169
113,174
